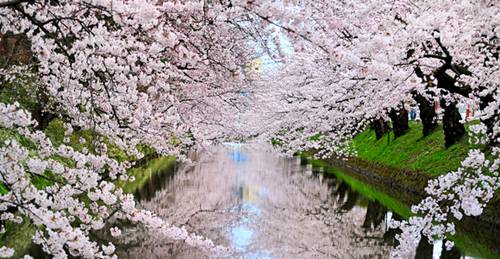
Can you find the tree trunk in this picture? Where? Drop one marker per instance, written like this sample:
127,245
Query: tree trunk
375,214
427,114
424,249
484,101
399,121
453,129
42,117
380,126
40,113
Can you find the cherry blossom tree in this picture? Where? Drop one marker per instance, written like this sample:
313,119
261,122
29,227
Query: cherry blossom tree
358,62
171,76
157,73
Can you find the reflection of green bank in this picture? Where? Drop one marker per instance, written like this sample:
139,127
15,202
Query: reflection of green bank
467,244
364,189
144,173
151,177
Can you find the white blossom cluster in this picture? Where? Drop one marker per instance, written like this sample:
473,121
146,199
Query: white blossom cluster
79,201
451,196
138,71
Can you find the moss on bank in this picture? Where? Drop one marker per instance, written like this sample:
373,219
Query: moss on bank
18,236
80,139
412,151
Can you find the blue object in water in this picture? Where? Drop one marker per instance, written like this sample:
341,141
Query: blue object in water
241,237
238,157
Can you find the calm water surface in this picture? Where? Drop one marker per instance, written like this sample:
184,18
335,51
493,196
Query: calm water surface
265,206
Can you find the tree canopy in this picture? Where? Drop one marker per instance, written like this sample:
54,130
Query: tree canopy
173,76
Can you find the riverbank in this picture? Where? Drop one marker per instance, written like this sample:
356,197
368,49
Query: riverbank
408,162
405,164
18,236
475,235
401,168
412,151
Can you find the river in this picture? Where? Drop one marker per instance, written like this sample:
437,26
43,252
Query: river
267,206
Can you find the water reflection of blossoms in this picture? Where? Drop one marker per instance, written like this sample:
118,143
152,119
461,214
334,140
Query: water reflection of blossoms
264,207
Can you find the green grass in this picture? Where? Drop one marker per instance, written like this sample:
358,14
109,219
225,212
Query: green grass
55,131
464,242
412,150
18,236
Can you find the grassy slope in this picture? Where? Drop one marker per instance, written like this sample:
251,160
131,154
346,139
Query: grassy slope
463,241
412,151
23,91
19,236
